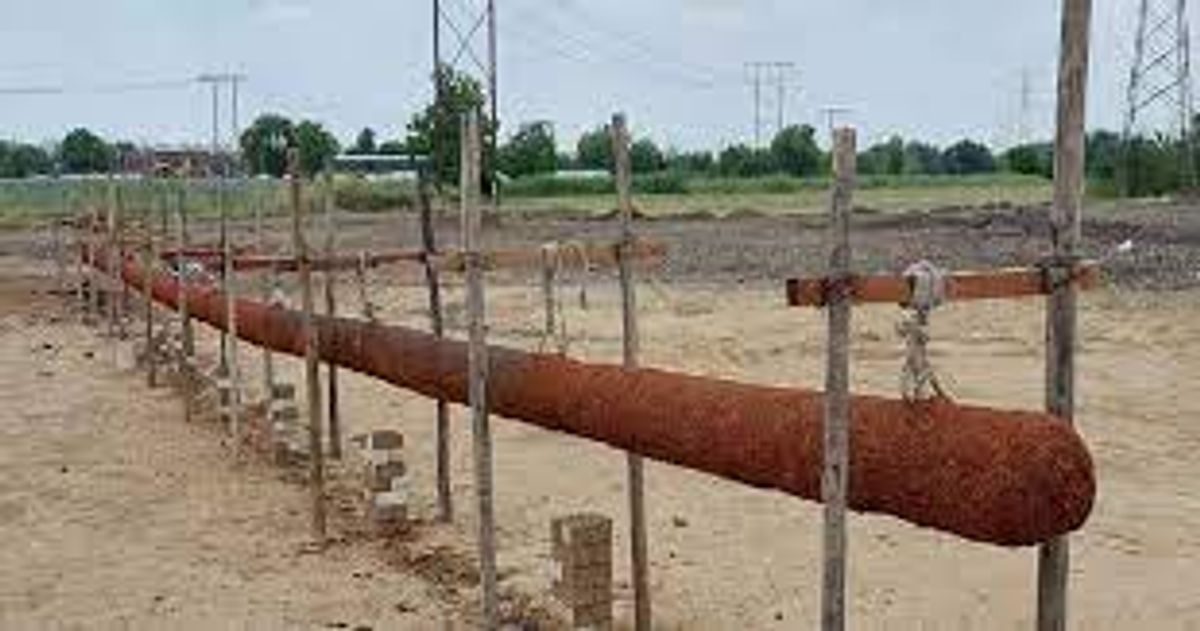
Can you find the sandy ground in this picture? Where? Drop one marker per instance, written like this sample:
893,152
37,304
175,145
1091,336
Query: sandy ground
116,514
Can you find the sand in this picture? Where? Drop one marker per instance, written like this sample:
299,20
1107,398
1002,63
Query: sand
116,514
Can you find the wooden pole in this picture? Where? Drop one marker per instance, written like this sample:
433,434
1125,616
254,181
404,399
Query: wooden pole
549,276
268,359
311,357
121,302
445,498
478,359
631,345
1061,314
331,371
111,242
150,263
233,372
187,345
836,475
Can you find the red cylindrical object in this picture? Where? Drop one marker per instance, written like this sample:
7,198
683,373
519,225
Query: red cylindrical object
1002,477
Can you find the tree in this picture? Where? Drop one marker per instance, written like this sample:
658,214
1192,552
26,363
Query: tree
744,161
316,145
392,148
265,143
364,143
84,152
698,162
531,150
594,149
22,160
1030,159
794,150
966,157
923,159
436,131
645,157
885,158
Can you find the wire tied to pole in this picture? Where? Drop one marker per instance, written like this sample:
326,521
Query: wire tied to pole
918,380
554,262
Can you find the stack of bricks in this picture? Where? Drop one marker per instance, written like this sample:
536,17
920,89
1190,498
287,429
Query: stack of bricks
385,481
581,549
287,441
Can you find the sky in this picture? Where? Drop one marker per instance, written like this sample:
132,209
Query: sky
932,69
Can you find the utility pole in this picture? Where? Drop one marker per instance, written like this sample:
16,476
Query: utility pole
777,72
467,43
1160,79
831,114
1023,126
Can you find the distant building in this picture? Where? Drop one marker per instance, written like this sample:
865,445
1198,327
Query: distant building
175,162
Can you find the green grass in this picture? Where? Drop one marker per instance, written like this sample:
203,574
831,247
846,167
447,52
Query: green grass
776,195
30,202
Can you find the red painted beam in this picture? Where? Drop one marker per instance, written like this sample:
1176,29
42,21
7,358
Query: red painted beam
1003,477
1007,283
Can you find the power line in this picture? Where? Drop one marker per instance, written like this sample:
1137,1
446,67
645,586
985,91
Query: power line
102,89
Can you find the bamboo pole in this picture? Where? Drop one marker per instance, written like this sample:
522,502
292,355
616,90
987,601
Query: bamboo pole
150,262
331,371
1061,308
311,357
836,475
631,342
432,281
233,372
265,291
478,361
187,350
445,498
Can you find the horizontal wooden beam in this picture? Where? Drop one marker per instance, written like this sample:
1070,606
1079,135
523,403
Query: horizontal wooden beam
1004,283
595,255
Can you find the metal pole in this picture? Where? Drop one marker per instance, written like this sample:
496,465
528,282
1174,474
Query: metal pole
478,360
836,475
331,370
311,358
429,245
631,343
1061,308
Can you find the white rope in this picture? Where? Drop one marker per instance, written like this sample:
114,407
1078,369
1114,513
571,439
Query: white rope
918,380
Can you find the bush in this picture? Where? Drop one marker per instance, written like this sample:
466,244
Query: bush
357,195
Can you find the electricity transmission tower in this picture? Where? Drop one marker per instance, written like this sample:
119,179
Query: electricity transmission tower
472,27
216,81
777,72
1160,85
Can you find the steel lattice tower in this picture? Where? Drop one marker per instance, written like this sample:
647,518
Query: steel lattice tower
1160,86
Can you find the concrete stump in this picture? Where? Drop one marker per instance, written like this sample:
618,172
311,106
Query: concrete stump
581,549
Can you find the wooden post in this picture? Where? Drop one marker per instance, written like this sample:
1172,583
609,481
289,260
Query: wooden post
445,498
121,302
331,371
268,280
232,372
1061,315
836,475
311,358
111,256
478,362
639,549
187,350
550,259
150,264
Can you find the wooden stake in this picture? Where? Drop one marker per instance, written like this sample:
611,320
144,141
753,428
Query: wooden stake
268,281
445,498
1061,314
111,241
311,358
639,548
478,361
121,303
187,350
836,475
331,371
150,264
549,276
233,372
